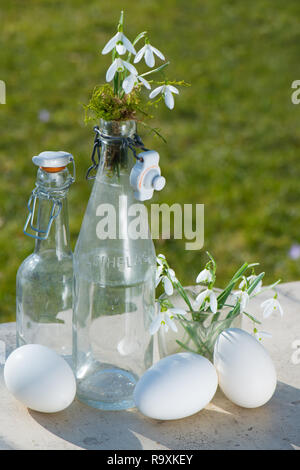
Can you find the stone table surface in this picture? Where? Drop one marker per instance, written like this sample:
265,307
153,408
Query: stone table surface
221,425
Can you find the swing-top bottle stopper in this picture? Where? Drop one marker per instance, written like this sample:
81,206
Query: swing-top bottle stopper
50,162
146,176
53,162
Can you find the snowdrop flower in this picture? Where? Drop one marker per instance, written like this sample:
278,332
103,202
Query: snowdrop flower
204,276
131,80
271,306
167,280
119,65
246,282
243,297
160,259
165,319
121,43
168,283
148,51
159,271
259,335
166,91
207,295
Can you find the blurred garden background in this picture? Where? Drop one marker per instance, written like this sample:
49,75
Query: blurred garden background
233,139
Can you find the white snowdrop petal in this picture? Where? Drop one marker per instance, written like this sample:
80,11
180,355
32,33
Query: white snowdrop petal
149,57
172,272
121,49
173,89
268,311
200,277
244,300
111,44
213,303
155,92
177,311
262,334
204,276
159,270
158,53
128,83
201,297
155,325
111,71
139,55
169,100
168,286
144,82
129,46
171,323
266,303
130,67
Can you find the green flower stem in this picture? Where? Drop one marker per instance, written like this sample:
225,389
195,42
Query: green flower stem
180,289
264,289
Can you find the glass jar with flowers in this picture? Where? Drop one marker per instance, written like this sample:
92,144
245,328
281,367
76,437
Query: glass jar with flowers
190,319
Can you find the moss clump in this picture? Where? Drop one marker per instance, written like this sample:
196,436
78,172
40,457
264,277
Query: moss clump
105,105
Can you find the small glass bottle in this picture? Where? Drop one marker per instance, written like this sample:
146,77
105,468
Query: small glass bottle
44,279
114,283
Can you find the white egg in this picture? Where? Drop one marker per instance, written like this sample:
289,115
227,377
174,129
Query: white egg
177,386
247,375
40,378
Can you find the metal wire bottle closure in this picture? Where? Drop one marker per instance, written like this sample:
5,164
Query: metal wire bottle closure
37,193
134,143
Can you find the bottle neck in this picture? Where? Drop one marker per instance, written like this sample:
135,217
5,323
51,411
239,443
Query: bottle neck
52,190
58,239
116,161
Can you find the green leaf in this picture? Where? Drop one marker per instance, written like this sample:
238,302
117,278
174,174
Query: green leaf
227,291
121,21
255,283
158,69
252,318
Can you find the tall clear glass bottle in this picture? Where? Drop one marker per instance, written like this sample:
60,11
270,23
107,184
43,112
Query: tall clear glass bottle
44,279
114,283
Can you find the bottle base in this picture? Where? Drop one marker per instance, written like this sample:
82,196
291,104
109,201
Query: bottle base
108,389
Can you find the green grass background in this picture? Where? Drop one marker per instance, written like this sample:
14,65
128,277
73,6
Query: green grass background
233,137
